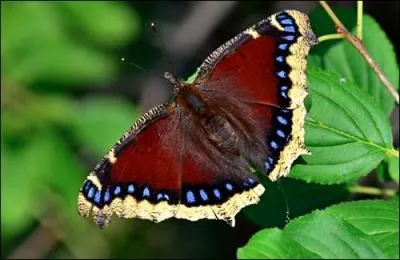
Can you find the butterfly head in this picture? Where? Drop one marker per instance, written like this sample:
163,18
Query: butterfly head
176,84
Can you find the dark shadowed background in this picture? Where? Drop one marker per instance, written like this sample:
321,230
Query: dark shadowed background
66,98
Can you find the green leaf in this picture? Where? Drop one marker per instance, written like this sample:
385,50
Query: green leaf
346,134
102,121
393,163
273,245
301,198
345,59
379,219
363,229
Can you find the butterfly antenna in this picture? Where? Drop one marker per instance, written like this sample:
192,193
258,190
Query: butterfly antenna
124,60
280,187
156,29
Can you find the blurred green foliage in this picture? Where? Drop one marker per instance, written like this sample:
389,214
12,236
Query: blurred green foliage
48,49
65,43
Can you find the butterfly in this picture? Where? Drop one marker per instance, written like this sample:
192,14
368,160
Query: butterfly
193,158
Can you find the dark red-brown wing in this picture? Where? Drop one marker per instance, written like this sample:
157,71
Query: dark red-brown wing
156,171
137,173
265,65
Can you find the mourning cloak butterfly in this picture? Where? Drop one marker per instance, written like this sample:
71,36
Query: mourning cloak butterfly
191,158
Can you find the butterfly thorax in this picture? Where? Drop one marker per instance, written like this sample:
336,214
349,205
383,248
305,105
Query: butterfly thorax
206,115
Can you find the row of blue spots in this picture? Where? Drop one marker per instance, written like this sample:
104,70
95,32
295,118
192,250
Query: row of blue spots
279,137
96,195
287,22
191,198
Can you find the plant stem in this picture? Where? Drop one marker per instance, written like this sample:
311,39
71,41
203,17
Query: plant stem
330,37
372,191
357,43
331,14
360,19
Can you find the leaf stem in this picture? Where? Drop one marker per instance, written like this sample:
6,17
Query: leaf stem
357,43
372,191
330,37
360,19
393,152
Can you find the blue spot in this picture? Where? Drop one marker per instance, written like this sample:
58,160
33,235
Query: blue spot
283,94
282,16
107,196
285,110
203,195
282,74
91,193
131,188
288,37
282,120
290,29
146,192
283,46
97,196
166,196
217,193
283,88
160,196
280,133
86,186
274,145
251,180
279,58
267,166
190,197
271,161
286,21
229,186
117,190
